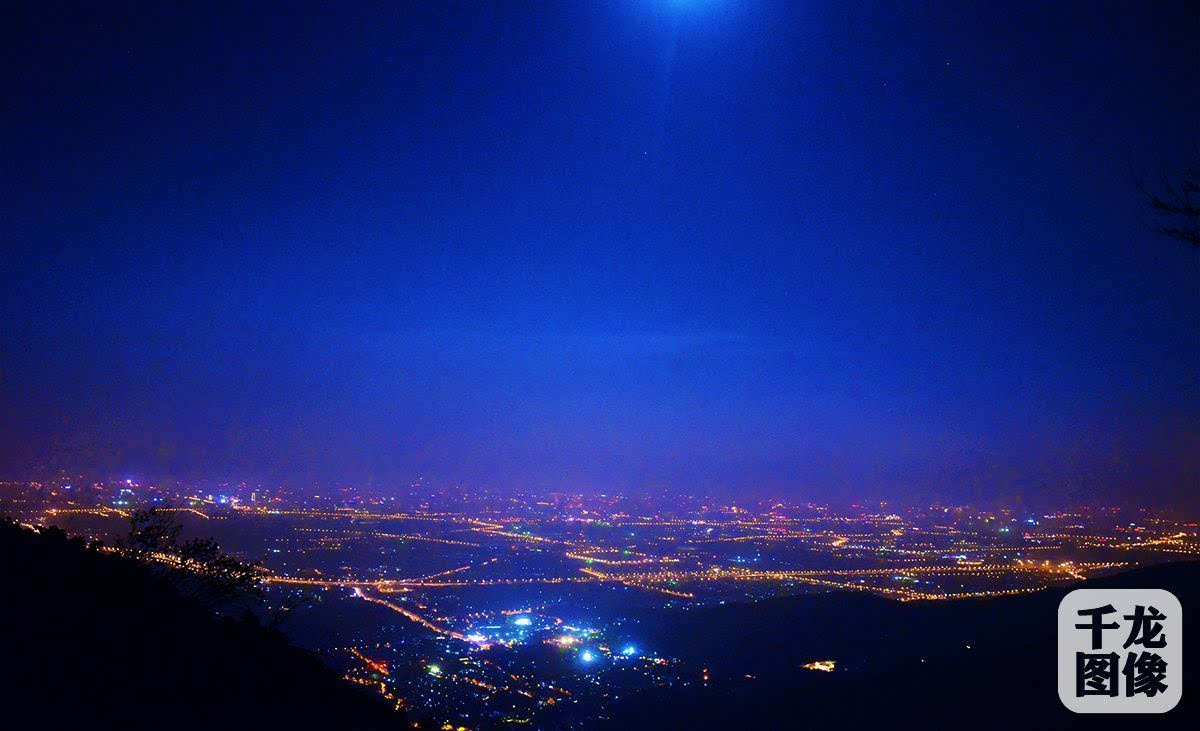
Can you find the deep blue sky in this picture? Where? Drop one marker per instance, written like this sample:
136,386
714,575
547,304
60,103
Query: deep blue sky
819,249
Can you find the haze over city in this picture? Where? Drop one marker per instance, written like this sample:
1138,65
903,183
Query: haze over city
754,248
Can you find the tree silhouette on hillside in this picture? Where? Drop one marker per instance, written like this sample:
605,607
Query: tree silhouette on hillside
1176,204
196,567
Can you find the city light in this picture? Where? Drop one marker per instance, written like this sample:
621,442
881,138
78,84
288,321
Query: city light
704,560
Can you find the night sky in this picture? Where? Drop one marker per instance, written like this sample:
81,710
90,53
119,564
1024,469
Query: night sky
814,249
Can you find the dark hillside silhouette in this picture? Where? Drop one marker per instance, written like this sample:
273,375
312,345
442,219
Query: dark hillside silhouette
94,640
950,664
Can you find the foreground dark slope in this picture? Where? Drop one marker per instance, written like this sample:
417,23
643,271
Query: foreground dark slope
91,640
986,663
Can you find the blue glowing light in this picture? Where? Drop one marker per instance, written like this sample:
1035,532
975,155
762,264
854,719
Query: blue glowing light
629,650
587,656
522,621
